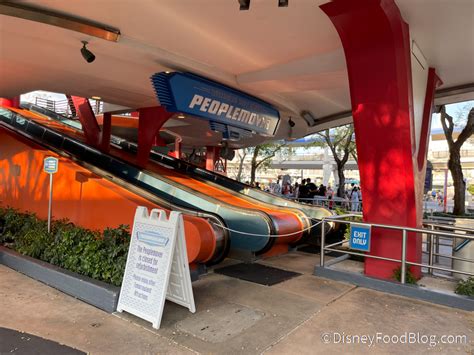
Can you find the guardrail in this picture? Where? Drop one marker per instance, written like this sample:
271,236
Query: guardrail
432,251
331,203
63,107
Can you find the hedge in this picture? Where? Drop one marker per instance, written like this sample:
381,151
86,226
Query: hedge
101,256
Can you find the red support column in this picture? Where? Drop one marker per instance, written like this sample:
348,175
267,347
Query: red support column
96,137
13,102
176,153
377,48
212,155
150,120
106,132
89,123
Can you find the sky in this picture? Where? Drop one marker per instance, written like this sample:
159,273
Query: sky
452,110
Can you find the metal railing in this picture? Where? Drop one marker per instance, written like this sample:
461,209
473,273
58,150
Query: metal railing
331,203
63,107
432,245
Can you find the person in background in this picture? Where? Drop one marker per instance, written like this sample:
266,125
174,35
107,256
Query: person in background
303,191
257,185
312,188
296,190
321,191
276,188
354,198
286,189
347,204
329,196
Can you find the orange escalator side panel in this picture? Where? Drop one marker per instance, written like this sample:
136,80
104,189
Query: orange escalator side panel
78,195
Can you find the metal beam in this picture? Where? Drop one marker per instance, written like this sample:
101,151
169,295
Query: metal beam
454,94
60,20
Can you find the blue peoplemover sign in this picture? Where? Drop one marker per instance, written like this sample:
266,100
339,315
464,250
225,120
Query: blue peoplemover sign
360,237
200,97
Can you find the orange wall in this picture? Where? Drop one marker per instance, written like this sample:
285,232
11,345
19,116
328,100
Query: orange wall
79,195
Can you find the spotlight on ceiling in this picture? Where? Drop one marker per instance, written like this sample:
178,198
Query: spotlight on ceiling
282,3
88,56
309,118
244,4
291,122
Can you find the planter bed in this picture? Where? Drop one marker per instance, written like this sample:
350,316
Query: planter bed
96,293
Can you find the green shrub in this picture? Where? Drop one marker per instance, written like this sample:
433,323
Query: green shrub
465,287
99,256
409,277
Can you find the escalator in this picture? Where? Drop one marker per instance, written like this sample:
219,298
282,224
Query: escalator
251,225
206,236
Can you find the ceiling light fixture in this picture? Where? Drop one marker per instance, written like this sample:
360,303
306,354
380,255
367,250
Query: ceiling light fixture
291,123
244,4
309,118
181,116
88,56
97,98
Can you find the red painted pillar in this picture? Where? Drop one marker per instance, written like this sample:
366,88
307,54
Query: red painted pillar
176,153
377,48
13,102
94,136
150,120
90,127
212,155
106,132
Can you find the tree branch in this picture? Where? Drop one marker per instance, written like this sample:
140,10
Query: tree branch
468,129
448,125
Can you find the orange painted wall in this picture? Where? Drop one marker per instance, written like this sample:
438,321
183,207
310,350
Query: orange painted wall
79,195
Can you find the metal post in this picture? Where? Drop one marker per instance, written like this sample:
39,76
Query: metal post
445,192
323,241
437,248
430,253
50,206
404,255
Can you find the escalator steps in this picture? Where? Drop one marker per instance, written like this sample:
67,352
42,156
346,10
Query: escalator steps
257,273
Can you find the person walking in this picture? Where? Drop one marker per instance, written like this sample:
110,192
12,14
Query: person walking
355,199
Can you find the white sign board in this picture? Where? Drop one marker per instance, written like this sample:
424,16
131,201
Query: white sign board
157,266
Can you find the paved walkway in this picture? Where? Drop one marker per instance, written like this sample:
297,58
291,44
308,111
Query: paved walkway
304,315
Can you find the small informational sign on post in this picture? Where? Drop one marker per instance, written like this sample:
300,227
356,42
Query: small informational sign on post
50,166
360,237
157,266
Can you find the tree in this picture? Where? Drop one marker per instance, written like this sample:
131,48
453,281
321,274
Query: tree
261,157
454,162
340,142
241,154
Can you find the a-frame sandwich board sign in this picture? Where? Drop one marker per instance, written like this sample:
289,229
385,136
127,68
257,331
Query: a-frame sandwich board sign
157,266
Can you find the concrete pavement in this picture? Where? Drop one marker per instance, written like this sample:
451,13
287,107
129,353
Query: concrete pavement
306,315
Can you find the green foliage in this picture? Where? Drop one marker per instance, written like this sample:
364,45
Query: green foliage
409,277
99,256
471,189
262,155
466,287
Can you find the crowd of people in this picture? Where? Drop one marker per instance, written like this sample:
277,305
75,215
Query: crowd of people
307,191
